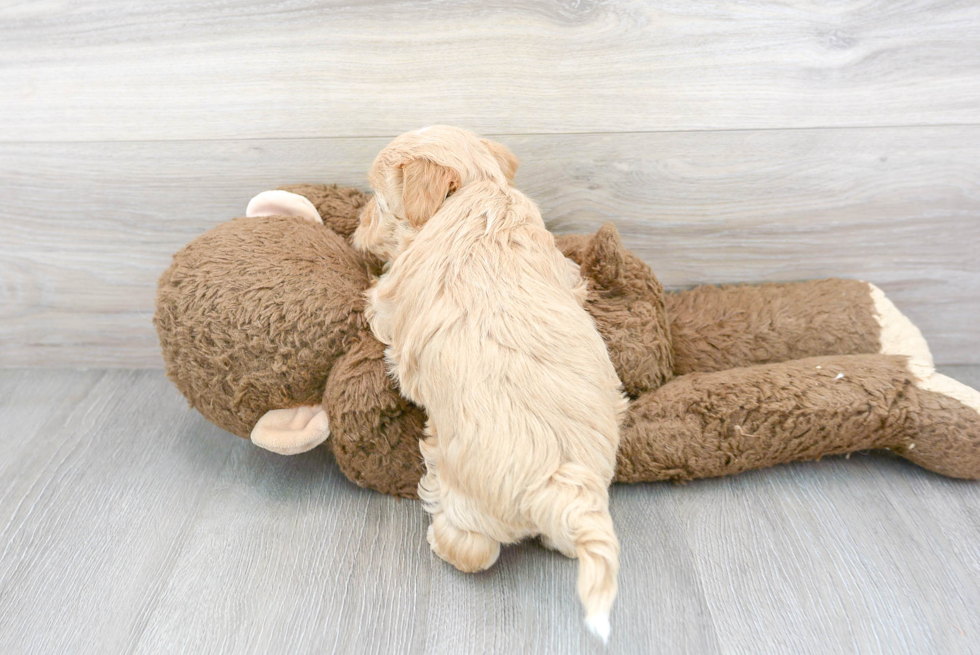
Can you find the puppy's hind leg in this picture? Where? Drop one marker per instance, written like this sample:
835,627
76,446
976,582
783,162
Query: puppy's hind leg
467,550
572,512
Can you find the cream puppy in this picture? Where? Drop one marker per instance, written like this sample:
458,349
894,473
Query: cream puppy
485,329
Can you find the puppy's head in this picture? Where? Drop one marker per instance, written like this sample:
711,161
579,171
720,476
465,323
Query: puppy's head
415,173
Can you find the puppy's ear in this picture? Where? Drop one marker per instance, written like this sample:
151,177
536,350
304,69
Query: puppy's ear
425,184
505,158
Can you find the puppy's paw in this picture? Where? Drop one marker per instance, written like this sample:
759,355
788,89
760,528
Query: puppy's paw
467,551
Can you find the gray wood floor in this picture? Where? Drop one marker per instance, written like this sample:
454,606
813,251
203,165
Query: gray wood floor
129,524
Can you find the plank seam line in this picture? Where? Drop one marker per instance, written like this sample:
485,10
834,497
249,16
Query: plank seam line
734,130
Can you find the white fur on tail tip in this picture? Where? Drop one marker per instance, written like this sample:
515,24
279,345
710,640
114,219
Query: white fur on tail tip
283,203
598,624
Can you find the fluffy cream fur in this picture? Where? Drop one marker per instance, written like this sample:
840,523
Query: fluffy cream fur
485,328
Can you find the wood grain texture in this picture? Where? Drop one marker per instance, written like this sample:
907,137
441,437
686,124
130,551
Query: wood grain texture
128,524
840,526
89,227
119,70
93,515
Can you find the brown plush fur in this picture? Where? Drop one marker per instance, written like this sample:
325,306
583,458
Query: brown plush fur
719,423
266,313
339,207
716,328
375,432
627,302
243,321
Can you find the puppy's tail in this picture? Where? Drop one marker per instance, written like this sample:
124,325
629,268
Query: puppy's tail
572,510
598,570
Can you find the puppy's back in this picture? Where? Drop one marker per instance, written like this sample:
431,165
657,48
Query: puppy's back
509,363
520,390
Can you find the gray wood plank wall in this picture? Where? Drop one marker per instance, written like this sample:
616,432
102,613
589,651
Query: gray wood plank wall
729,141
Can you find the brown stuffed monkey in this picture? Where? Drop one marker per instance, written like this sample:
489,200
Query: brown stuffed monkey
262,329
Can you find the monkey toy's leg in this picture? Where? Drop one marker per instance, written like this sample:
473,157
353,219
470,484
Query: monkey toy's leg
715,328
711,424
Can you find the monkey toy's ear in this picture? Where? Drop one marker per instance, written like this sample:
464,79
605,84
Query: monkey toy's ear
336,207
291,431
282,203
